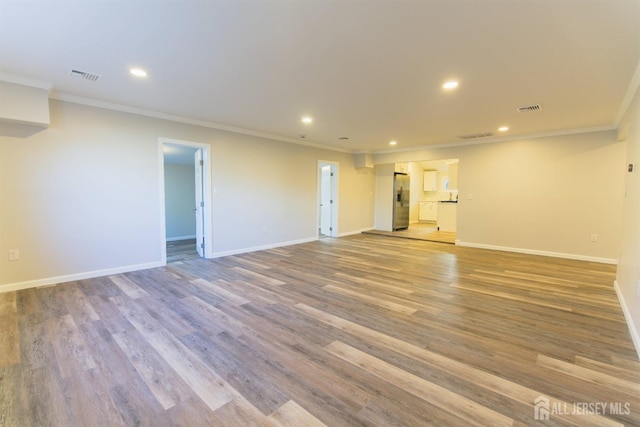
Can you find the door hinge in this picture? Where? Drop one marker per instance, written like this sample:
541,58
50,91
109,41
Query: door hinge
330,201
201,162
202,204
331,173
330,228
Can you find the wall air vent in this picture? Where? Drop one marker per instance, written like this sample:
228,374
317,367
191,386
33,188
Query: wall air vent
92,77
476,135
526,108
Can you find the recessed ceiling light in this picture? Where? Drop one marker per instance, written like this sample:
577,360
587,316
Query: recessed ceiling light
138,72
452,84
307,120
503,128
393,143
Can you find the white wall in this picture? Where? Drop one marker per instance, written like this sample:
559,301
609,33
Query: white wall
628,277
543,195
384,197
82,197
179,199
416,193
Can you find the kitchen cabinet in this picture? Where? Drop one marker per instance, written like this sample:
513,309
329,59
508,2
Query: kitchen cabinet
447,216
428,211
430,181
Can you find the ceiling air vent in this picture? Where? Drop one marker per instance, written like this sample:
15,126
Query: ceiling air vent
476,135
526,108
92,77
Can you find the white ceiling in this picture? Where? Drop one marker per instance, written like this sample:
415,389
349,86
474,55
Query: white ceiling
368,70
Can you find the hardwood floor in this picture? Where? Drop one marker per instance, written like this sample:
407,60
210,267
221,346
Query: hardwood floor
180,250
361,330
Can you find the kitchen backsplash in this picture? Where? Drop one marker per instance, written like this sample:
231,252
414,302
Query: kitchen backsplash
436,196
448,195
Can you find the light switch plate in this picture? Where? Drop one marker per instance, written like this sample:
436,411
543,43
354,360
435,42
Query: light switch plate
14,254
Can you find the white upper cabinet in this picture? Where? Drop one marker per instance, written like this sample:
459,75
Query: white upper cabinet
430,181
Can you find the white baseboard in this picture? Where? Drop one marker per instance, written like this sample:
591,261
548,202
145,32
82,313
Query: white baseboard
538,252
635,336
78,276
117,270
175,239
262,248
360,231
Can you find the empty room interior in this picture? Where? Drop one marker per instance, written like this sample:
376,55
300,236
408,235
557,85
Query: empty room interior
320,213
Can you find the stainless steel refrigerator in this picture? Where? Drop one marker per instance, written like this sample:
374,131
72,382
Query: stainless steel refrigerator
400,201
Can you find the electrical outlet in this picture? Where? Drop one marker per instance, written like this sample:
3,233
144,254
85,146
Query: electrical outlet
14,254
594,237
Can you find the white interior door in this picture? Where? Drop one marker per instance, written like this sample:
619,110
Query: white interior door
326,225
199,209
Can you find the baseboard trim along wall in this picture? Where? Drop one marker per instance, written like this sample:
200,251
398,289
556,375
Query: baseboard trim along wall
125,269
351,233
635,336
538,252
78,276
262,248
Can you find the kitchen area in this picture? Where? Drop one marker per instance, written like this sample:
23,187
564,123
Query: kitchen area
422,202
437,203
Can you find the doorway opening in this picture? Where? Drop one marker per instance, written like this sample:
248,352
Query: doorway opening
432,200
327,199
185,200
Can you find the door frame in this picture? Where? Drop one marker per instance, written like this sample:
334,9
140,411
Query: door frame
198,163
206,188
334,194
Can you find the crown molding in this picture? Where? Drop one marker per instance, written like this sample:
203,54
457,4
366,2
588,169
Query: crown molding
521,137
26,81
60,96
634,84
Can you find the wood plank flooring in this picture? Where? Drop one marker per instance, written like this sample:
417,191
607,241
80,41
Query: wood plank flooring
356,331
181,250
